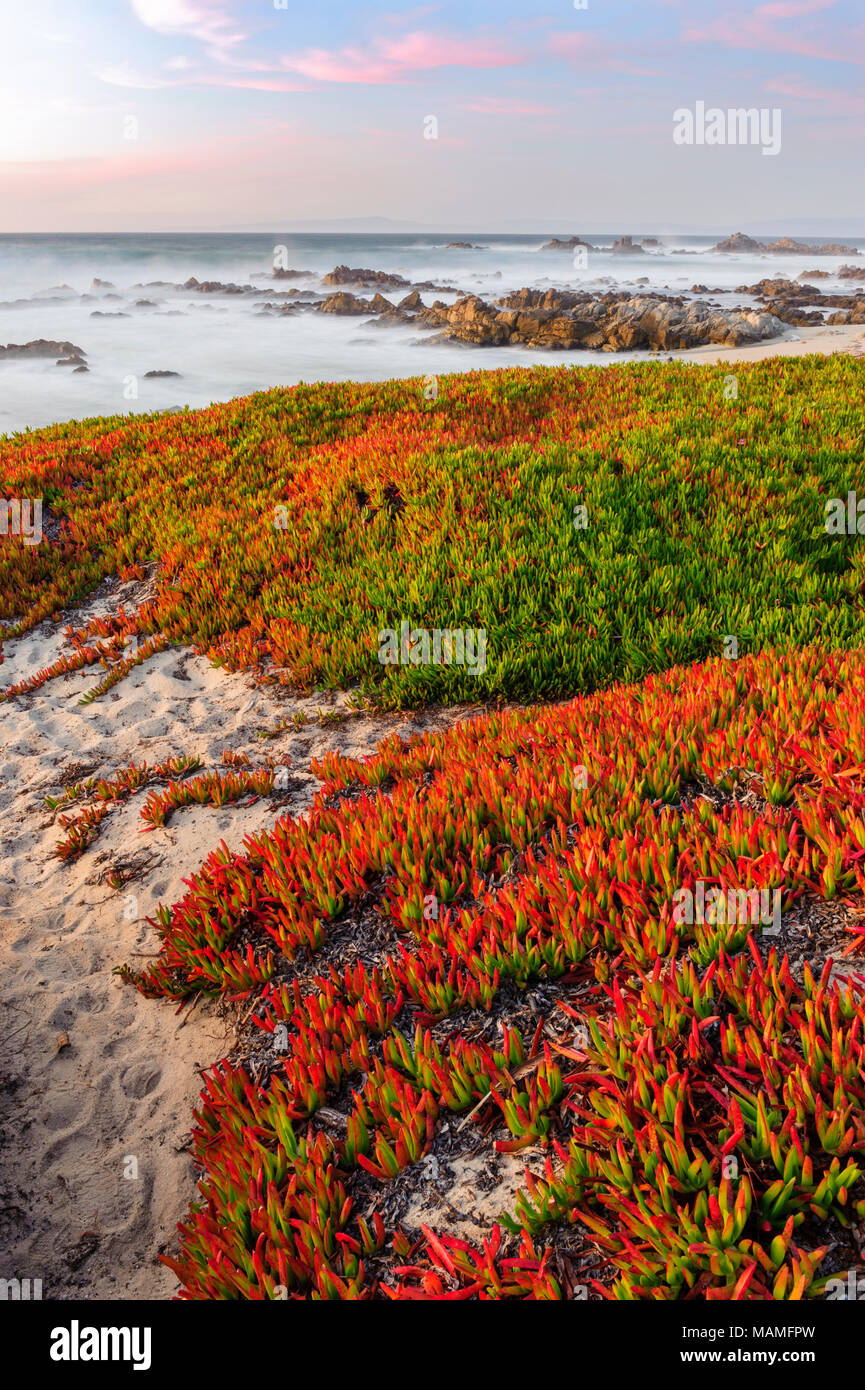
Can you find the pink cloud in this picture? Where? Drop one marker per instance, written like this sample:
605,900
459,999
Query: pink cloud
832,100
394,60
757,29
508,106
792,9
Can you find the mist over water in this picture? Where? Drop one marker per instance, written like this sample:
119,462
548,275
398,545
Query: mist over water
223,346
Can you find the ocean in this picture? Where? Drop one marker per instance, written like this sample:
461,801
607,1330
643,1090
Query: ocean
222,346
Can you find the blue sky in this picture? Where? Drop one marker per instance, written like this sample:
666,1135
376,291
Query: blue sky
162,114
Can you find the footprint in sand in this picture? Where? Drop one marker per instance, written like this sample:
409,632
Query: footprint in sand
140,1079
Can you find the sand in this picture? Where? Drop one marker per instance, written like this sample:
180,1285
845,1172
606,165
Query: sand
94,1166
795,342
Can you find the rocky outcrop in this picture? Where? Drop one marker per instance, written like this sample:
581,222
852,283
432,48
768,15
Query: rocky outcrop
787,300
738,242
609,323
785,246
851,272
367,279
626,245
160,374
292,274
42,347
556,244
345,303
411,303
216,287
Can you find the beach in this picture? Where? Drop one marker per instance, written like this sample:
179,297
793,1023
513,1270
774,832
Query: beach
94,1074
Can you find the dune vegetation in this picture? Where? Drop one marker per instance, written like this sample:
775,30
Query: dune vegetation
596,525
573,930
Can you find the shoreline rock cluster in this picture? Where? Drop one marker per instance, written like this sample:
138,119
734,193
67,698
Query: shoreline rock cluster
785,246
737,242
613,322
65,354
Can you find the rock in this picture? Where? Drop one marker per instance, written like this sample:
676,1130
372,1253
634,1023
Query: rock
786,246
625,245
217,287
75,361
797,248
738,242
97,284
851,272
345,303
557,319
557,245
292,274
160,373
108,314
343,275
42,347
412,302
82,368
650,241
699,289
145,304
815,274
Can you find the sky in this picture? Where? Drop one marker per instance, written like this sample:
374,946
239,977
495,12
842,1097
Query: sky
163,115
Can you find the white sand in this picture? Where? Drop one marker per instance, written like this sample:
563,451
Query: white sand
126,1085
796,342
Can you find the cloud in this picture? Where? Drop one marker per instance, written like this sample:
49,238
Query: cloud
125,76
833,100
508,106
209,24
760,29
395,60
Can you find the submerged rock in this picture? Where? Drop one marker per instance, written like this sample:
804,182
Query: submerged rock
43,347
